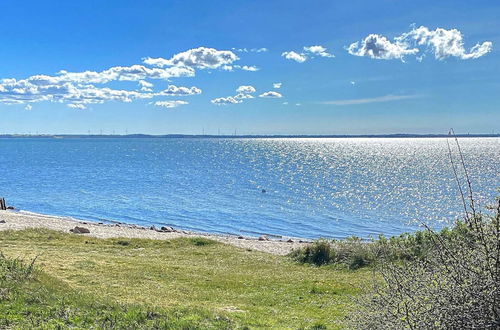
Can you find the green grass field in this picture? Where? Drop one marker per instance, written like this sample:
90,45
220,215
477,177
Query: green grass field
182,283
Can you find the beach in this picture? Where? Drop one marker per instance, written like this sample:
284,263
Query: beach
19,220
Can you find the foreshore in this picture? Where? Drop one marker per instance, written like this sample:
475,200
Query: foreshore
19,220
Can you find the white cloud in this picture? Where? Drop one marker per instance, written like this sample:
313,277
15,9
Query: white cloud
244,67
201,58
169,104
83,87
245,89
242,96
318,50
28,107
252,50
121,73
90,94
446,43
441,42
352,83
243,92
77,106
310,52
271,94
180,91
291,55
23,91
385,98
379,47
225,100
248,68
80,88
277,85
145,86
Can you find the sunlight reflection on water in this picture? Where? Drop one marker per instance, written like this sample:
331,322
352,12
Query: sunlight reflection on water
333,187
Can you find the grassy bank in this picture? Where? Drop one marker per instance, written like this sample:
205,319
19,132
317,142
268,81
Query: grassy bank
182,282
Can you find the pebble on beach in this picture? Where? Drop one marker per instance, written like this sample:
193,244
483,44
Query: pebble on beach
80,230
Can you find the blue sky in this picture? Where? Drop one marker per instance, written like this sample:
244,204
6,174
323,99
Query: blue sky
417,67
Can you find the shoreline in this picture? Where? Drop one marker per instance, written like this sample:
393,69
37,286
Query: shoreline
19,220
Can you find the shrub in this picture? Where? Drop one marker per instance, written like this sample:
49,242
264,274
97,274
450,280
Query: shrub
456,286
319,253
354,253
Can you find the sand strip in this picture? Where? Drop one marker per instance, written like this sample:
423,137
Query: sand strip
15,220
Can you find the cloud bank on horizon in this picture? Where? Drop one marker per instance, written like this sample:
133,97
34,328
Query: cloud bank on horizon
78,90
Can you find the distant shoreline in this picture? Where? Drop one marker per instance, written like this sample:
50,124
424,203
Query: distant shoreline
208,136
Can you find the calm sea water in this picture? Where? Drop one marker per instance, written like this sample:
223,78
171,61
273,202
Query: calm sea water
313,187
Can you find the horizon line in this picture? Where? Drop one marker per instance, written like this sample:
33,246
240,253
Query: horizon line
174,135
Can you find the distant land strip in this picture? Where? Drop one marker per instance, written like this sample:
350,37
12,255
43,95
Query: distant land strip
177,136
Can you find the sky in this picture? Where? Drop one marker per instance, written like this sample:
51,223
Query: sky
250,67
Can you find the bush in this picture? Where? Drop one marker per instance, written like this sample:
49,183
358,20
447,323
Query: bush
455,284
354,253
319,253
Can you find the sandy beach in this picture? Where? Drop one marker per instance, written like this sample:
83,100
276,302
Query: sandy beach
18,220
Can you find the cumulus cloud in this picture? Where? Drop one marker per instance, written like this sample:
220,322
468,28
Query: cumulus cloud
277,85
318,50
241,96
145,86
28,107
251,50
241,67
446,43
379,47
225,100
170,104
291,55
180,91
77,89
77,106
271,94
248,67
14,91
245,89
201,58
441,42
243,92
121,73
309,52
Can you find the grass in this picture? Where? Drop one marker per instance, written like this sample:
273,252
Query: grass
188,283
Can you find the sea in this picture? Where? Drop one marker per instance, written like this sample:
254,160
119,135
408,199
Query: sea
282,187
